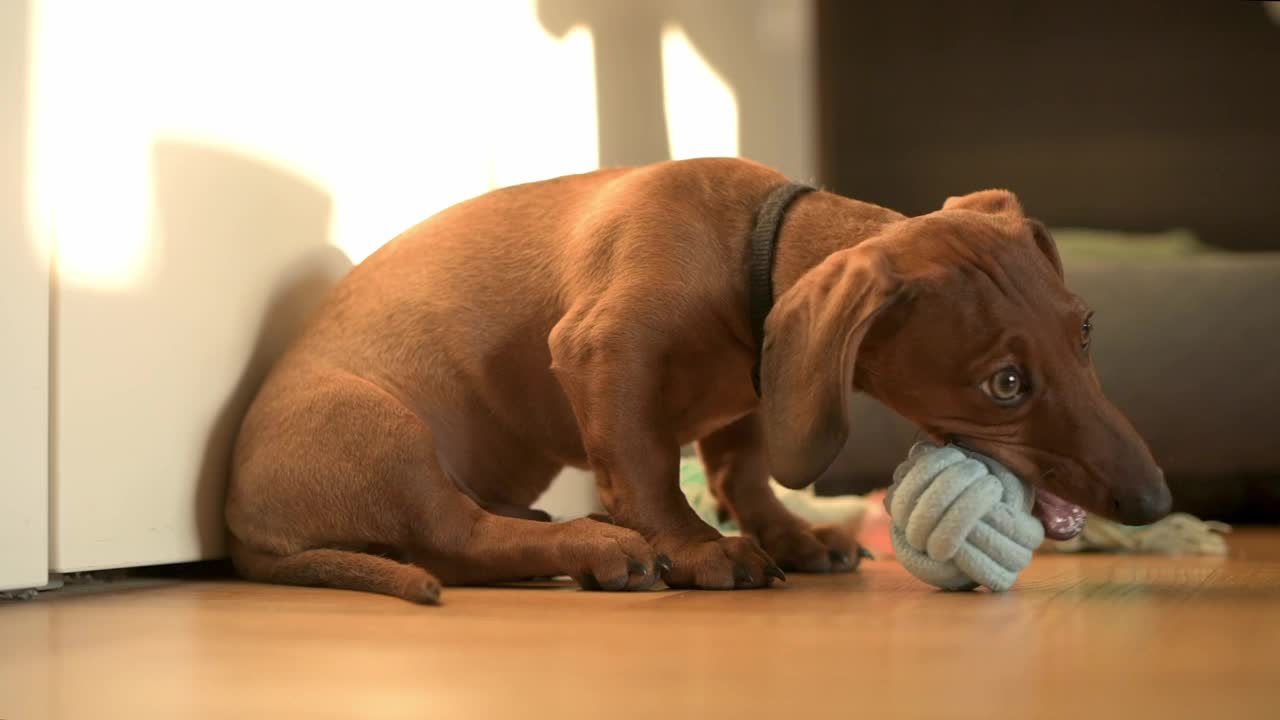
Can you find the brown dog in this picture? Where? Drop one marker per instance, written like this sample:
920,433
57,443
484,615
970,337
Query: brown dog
602,320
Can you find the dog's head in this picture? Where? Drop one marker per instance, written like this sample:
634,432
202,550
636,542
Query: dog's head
959,320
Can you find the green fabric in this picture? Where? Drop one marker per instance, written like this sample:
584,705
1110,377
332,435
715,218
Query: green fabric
1089,244
693,482
1176,534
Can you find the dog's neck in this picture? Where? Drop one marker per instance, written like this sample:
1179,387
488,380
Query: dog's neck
818,224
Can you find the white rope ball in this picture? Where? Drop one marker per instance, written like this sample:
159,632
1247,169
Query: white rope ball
960,519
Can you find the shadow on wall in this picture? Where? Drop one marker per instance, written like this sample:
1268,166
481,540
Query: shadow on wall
759,47
212,198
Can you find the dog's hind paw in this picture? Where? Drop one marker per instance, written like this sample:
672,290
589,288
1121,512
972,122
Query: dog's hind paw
820,549
727,563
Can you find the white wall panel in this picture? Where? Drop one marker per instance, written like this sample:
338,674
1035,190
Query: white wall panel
24,331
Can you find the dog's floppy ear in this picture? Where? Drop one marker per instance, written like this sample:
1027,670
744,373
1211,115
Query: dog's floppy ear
994,202
810,350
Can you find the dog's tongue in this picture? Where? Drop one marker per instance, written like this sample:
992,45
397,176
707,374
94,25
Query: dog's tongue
1062,520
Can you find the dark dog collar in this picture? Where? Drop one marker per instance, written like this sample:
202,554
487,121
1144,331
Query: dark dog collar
764,236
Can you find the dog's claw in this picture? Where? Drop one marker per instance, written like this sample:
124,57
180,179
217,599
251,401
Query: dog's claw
664,564
742,576
589,582
615,584
865,553
774,571
839,558
635,567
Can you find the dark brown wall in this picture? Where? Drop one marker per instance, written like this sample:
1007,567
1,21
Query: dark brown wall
1132,114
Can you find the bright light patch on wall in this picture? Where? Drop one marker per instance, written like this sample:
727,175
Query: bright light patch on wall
498,103
702,112
394,109
545,123
90,189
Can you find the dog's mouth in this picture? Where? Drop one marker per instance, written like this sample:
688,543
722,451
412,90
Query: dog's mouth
1062,520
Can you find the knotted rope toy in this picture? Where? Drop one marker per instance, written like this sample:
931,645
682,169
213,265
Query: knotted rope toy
960,519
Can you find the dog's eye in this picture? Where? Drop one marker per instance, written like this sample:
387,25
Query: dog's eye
1086,331
1007,386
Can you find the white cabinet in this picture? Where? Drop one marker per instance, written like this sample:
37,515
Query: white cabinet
24,332
24,419
24,403
153,375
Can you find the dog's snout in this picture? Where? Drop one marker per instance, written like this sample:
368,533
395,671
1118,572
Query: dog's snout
1145,505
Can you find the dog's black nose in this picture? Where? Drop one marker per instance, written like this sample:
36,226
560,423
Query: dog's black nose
1143,505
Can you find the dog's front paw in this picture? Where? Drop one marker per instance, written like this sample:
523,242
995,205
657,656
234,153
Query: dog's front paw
800,547
725,563
607,557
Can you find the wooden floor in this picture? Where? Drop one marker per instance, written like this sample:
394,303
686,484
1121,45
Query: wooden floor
1081,637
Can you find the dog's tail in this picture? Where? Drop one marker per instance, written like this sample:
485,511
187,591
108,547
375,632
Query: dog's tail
341,569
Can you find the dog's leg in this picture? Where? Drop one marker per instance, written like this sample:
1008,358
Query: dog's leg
330,462
494,548
616,394
738,475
